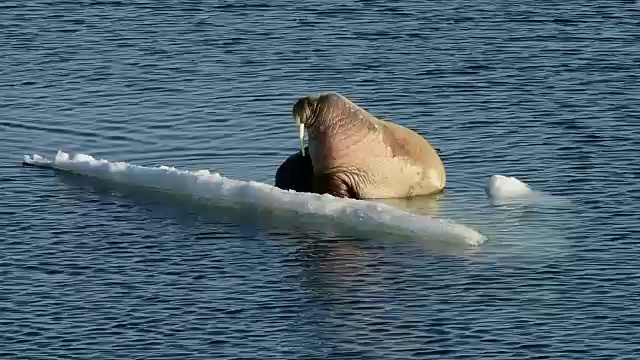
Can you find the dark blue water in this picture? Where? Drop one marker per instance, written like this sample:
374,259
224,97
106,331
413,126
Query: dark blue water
547,91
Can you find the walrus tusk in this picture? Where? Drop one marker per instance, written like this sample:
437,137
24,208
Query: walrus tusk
301,128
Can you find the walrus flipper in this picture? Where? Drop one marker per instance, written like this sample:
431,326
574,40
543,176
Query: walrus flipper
333,184
296,173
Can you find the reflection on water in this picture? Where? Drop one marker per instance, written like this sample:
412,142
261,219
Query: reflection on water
426,205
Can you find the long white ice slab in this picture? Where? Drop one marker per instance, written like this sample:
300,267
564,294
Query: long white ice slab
220,190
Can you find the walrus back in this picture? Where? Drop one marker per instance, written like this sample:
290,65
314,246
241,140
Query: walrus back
405,165
412,148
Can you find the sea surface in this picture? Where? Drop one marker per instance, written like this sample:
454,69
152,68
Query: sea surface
547,91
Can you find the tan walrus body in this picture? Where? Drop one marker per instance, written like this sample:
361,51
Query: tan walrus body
357,155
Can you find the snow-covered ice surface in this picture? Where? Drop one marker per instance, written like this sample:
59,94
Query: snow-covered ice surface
222,191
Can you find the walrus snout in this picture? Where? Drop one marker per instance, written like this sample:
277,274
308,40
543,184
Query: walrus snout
303,110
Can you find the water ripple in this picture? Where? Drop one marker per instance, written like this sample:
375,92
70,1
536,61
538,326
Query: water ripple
546,92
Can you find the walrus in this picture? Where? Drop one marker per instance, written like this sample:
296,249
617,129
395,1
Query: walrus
356,155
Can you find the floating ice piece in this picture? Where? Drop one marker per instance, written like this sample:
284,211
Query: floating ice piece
221,191
507,187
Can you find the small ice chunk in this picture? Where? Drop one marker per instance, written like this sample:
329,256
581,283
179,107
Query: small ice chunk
507,187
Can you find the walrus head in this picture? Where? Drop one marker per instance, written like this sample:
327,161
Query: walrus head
321,112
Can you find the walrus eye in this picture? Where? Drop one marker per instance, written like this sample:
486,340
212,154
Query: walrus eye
301,128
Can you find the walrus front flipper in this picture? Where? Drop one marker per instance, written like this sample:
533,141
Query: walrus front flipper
333,184
296,173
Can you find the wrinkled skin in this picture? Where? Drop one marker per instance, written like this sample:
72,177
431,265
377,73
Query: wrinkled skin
356,155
